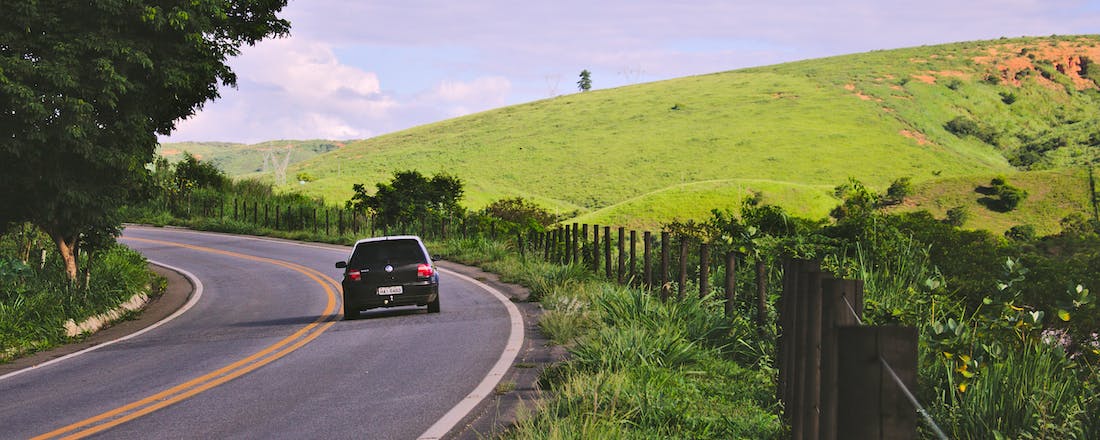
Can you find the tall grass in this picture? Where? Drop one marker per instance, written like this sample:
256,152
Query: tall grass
1032,392
638,367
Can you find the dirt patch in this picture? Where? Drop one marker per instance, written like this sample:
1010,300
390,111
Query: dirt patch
953,74
915,135
927,79
852,88
1013,62
170,152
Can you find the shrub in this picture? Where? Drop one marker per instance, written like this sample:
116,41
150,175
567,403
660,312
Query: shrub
1008,196
898,191
1021,233
957,216
964,126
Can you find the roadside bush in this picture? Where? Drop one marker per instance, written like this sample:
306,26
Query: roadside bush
520,215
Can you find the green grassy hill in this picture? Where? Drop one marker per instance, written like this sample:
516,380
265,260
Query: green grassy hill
640,155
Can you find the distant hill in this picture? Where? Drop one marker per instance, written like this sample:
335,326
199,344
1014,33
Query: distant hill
240,159
949,117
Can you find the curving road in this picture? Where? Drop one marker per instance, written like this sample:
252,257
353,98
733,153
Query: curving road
262,353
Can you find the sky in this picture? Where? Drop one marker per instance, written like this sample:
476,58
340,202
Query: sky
359,69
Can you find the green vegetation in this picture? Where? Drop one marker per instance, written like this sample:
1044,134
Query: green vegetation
410,195
87,86
36,298
639,368
651,153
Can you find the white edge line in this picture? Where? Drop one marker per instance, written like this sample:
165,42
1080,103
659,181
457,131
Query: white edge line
485,388
495,375
190,303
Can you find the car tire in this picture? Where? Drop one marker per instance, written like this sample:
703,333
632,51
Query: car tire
433,307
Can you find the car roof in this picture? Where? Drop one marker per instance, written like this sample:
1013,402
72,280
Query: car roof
389,237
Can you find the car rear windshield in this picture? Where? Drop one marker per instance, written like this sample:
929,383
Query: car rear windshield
396,252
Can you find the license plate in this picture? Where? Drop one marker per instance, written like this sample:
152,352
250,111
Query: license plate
390,290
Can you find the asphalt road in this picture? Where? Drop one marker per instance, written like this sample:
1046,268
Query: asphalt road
262,353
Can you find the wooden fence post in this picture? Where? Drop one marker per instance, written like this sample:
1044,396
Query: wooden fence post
704,270
811,392
634,257
873,405
607,251
621,270
682,280
834,313
664,266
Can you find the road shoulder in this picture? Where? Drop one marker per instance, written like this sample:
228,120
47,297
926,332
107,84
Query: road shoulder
497,413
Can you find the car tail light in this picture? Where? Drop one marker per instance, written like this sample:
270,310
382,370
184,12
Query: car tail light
424,270
355,275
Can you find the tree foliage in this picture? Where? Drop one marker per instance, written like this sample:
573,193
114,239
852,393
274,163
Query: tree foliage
521,213
191,173
87,86
585,83
410,196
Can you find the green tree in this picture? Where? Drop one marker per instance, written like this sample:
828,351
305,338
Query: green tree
86,87
521,213
585,83
410,196
192,173
897,192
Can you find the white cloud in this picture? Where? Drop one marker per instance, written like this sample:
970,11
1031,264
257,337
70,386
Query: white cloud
291,88
444,59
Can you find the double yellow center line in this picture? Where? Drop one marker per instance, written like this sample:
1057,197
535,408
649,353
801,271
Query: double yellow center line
222,375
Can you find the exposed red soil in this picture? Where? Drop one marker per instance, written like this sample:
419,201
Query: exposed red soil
1010,60
915,135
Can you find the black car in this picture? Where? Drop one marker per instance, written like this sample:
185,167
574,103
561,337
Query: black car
389,272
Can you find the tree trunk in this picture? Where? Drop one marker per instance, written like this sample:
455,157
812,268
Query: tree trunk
66,246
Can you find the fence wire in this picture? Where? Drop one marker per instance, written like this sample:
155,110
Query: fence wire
904,389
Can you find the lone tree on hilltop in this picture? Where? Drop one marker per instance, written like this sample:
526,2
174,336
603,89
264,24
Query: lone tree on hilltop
85,89
585,83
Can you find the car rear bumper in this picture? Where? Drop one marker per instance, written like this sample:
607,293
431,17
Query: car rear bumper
360,297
